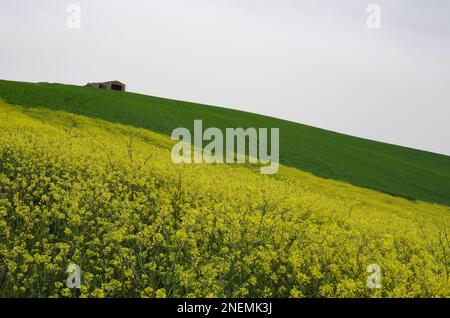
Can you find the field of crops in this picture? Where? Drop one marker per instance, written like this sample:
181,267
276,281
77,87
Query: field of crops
395,170
107,197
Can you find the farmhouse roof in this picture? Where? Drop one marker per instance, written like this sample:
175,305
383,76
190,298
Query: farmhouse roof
114,82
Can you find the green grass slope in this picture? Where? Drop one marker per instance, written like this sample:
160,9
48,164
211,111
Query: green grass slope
388,168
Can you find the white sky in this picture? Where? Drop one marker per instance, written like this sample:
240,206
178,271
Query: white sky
313,62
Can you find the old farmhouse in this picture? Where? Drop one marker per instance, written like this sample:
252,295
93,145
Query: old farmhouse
111,85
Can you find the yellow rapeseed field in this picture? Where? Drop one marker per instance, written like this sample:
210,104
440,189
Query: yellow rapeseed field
108,198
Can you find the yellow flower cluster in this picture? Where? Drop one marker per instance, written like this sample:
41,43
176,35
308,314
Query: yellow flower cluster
108,198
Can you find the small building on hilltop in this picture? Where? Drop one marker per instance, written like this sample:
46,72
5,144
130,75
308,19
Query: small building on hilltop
111,85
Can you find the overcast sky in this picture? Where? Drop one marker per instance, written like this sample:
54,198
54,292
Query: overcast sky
314,62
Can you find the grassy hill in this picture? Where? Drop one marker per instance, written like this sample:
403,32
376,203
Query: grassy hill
388,168
74,189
